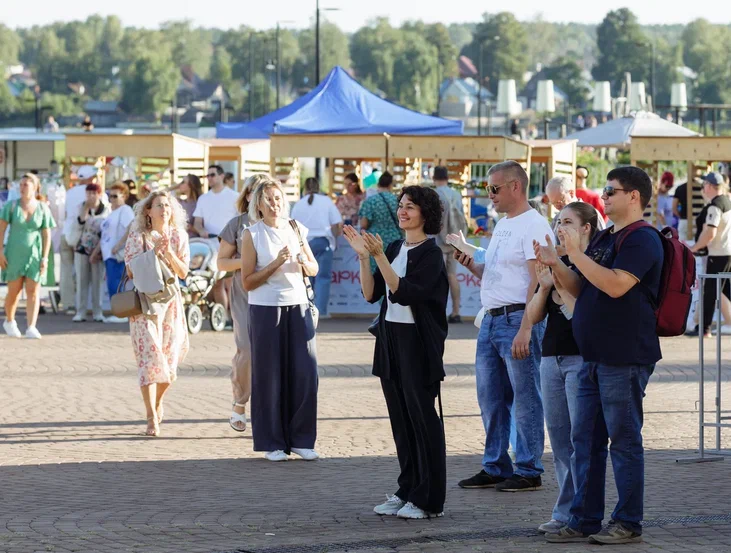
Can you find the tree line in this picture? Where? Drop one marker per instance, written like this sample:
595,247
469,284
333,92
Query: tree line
140,68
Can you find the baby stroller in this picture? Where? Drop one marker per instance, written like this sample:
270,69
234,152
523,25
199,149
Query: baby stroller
198,285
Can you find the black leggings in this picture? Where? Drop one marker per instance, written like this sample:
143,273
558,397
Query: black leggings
716,264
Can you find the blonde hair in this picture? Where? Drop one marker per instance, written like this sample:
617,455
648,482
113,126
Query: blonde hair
142,223
250,184
258,195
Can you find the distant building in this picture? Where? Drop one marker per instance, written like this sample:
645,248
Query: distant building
104,114
458,98
194,92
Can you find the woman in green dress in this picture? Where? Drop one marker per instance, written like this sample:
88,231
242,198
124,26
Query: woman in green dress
24,260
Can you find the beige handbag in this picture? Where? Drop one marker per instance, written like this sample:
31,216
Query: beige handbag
126,303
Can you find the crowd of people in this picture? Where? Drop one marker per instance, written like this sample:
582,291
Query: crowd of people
554,347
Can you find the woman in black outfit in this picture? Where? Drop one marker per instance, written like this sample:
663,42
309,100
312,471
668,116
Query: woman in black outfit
410,336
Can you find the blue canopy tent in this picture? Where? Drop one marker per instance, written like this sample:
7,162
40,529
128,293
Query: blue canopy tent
340,105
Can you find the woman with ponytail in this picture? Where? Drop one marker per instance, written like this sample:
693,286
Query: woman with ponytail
324,224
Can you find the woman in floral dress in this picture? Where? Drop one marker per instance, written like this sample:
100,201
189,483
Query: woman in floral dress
160,341
349,203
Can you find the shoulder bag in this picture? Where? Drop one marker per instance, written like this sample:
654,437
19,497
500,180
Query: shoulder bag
308,285
126,303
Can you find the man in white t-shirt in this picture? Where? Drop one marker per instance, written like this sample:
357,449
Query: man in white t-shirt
212,213
508,346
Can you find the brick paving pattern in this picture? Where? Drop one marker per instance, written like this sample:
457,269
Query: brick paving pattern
76,474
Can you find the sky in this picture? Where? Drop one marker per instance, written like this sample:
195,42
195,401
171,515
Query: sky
352,14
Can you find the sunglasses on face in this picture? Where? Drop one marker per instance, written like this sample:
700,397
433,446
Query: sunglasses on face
610,191
113,196
211,175
494,189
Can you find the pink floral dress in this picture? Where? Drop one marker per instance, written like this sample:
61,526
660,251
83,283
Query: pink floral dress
160,343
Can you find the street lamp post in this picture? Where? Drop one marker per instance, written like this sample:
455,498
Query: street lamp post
317,61
479,94
277,56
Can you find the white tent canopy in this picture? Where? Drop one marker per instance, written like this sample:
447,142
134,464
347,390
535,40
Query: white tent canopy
618,133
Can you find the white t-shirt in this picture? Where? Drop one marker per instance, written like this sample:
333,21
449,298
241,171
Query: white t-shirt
286,286
318,217
113,229
506,277
216,209
396,313
719,216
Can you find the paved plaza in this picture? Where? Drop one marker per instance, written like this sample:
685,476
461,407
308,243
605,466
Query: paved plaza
76,474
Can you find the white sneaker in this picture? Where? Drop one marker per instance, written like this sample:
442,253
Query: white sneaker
553,526
413,512
306,454
99,317
11,329
276,456
32,333
391,507
115,320
79,318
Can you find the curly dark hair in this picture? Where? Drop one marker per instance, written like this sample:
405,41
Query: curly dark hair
429,204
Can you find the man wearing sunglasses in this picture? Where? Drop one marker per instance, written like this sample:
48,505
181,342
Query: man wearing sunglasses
616,285
213,211
508,346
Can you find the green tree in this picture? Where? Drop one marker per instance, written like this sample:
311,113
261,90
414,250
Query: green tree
193,47
438,36
8,104
622,48
9,45
566,75
706,51
374,50
505,49
333,51
460,34
149,84
415,73
221,67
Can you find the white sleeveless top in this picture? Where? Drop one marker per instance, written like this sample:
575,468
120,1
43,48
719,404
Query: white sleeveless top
285,286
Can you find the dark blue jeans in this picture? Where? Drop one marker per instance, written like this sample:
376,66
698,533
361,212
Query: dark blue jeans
321,283
608,406
509,389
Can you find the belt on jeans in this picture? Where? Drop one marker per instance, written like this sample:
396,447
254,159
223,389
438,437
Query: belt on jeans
506,309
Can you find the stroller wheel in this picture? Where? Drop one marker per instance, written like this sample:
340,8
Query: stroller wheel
194,318
218,317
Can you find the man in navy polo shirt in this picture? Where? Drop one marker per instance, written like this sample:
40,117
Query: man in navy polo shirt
614,326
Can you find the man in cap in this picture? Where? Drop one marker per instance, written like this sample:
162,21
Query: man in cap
716,236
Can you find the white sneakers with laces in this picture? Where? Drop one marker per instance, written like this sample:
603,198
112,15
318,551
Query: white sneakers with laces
411,511
79,318
391,507
11,329
306,454
275,456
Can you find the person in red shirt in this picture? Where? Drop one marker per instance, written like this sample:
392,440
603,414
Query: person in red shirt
586,195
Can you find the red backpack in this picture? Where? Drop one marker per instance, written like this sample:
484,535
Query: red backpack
676,281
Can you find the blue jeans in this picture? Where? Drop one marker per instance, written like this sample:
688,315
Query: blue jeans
608,406
505,384
115,271
559,382
321,283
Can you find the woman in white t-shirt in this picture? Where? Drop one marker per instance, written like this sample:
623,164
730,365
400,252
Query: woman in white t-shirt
274,263
324,224
114,236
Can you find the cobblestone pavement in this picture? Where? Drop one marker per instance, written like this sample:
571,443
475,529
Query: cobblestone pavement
77,475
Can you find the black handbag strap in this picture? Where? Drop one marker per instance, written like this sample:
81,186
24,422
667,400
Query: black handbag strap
308,284
388,207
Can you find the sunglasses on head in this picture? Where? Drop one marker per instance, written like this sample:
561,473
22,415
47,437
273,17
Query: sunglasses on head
610,191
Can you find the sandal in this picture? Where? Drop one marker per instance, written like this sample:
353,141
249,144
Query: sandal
238,418
155,430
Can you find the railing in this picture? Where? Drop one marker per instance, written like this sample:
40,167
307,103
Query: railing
716,453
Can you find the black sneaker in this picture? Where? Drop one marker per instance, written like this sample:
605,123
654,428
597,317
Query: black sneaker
519,484
454,319
55,299
480,480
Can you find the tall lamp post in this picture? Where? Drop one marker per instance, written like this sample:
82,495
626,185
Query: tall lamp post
277,56
652,68
317,61
481,78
